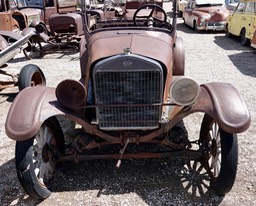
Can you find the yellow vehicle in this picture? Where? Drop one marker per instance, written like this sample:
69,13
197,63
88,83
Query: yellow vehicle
242,22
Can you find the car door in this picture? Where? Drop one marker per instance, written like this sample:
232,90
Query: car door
250,19
236,20
188,19
50,8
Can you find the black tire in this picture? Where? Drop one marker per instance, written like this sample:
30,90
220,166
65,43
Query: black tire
221,147
195,26
34,49
31,75
243,40
227,33
29,161
181,14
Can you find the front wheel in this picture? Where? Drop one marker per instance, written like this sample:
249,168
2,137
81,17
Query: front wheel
35,158
227,33
31,75
220,155
195,26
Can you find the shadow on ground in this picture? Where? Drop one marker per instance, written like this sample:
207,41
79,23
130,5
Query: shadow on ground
155,181
243,58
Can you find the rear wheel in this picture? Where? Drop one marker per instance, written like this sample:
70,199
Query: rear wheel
36,158
228,35
31,75
243,40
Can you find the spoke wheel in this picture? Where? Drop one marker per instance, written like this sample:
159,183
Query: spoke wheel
220,155
34,49
36,158
195,178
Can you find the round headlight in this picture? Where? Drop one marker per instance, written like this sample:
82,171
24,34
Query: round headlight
184,91
70,93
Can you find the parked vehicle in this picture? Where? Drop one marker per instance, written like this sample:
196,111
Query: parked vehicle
132,92
24,15
20,14
181,7
30,75
231,4
242,22
64,34
253,40
206,14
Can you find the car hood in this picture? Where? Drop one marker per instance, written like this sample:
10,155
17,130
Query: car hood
153,44
211,9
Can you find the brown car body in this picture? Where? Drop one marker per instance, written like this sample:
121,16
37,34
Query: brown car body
132,91
19,15
206,15
18,20
253,40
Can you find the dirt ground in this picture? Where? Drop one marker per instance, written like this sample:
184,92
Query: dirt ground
210,56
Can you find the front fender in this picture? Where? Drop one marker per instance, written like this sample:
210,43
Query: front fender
29,110
225,105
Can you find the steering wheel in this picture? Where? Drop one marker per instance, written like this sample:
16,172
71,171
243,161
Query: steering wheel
150,17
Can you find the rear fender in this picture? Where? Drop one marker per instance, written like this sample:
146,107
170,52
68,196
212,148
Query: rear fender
225,105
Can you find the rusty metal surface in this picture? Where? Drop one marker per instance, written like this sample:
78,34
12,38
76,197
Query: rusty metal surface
44,104
157,45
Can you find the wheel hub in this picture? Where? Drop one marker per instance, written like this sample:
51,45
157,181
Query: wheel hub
214,148
46,153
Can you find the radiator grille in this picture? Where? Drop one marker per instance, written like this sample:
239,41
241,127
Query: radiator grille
129,94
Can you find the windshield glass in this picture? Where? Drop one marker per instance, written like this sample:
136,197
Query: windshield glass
117,14
30,3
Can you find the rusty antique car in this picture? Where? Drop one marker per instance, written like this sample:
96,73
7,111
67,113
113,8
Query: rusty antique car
132,92
206,14
58,18
59,26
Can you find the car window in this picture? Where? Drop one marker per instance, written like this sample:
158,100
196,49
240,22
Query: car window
240,7
250,7
189,5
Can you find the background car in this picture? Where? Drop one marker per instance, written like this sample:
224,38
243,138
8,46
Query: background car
206,14
181,7
242,22
253,40
231,4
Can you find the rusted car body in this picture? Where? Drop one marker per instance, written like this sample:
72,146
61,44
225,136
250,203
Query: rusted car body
206,15
253,40
24,15
64,33
20,14
132,92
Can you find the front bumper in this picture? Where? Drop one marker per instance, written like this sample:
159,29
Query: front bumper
215,26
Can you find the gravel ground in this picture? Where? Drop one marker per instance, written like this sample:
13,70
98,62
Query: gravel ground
210,56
